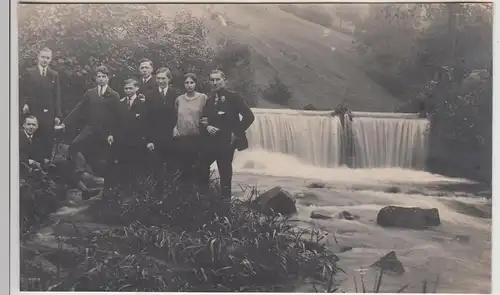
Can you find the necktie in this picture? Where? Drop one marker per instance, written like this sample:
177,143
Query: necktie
43,72
29,139
101,91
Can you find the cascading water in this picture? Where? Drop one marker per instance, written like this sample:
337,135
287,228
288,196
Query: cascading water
389,142
315,138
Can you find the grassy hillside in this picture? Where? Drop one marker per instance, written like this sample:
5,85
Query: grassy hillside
316,64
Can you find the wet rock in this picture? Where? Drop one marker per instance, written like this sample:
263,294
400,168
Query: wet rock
347,215
316,185
275,200
393,190
390,263
74,195
464,239
411,218
309,107
92,181
320,215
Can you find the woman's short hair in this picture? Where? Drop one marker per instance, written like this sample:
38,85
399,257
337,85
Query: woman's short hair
192,76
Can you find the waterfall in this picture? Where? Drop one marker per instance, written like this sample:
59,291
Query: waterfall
313,139
381,140
389,142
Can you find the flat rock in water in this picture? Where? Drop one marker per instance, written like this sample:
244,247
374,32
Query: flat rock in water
347,215
408,217
320,215
275,200
316,185
390,263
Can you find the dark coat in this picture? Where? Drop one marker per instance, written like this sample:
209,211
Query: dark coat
34,150
132,128
161,116
225,115
41,93
102,114
148,88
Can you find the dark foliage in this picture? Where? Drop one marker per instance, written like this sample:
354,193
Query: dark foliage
277,92
193,245
38,197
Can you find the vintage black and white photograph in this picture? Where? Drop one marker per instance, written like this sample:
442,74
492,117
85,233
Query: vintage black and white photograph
255,147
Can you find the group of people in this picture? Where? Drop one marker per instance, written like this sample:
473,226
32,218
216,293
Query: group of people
154,129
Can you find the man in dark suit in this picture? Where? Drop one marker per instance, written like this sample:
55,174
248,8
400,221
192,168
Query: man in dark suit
147,81
100,114
32,152
131,138
224,129
40,96
161,119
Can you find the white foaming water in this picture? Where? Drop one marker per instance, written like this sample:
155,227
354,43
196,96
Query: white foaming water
261,162
315,137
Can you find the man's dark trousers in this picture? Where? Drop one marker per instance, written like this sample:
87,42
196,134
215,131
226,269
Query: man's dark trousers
93,144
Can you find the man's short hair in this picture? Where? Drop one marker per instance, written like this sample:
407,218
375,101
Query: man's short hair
166,71
30,117
219,72
132,80
145,60
45,49
102,69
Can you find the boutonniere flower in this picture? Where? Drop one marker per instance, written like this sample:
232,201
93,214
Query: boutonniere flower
141,97
223,98
137,115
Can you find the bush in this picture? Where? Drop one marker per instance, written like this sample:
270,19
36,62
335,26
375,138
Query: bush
277,92
201,249
84,36
38,197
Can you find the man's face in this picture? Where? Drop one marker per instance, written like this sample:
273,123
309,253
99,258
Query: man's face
102,79
130,89
30,125
162,80
146,69
44,58
217,82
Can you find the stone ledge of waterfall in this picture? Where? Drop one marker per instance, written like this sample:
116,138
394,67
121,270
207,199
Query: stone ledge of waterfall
316,185
408,217
329,113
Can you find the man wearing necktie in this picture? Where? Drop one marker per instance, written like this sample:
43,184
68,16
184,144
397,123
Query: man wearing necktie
148,81
224,130
99,113
32,153
40,96
161,119
131,137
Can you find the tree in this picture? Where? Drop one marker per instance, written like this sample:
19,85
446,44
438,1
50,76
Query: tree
84,36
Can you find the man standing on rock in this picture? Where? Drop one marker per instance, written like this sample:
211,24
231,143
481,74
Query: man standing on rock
40,96
224,129
100,113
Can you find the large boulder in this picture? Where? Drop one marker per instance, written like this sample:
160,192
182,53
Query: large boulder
390,264
408,217
275,200
61,154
